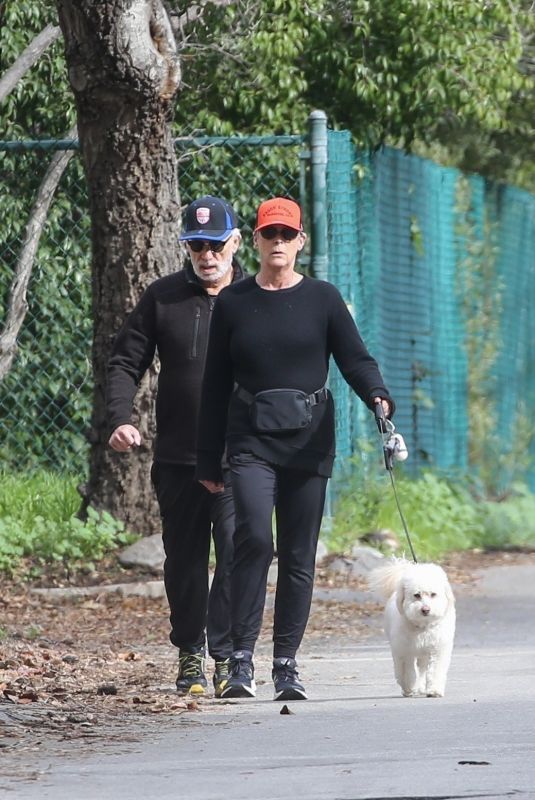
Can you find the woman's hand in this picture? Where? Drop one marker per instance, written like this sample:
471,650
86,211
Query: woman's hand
387,408
213,486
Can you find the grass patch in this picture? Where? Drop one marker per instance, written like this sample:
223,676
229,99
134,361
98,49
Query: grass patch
38,520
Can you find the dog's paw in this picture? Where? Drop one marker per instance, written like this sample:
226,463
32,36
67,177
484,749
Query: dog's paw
411,693
434,693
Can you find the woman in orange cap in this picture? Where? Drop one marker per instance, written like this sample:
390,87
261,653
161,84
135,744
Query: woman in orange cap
264,395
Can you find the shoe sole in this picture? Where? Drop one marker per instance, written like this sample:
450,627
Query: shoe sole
220,688
239,691
290,694
196,689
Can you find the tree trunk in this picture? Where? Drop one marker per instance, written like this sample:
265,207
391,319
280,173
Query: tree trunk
123,69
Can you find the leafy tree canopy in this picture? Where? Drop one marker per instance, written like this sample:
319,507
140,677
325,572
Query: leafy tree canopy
384,68
449,71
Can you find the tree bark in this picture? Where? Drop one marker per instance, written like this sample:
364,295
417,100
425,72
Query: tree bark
124,72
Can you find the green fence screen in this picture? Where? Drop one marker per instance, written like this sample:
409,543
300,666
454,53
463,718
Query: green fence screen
439,271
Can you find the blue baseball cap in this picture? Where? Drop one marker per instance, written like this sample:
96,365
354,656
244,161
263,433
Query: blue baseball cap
209,218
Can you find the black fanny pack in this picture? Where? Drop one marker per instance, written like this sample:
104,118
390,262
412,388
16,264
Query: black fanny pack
281,410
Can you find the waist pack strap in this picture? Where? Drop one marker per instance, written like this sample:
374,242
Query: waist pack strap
319,396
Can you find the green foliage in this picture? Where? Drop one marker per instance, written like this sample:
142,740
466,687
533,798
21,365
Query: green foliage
37,396
391,69
37,520
46,397
510,523
41,105
440,515
401,66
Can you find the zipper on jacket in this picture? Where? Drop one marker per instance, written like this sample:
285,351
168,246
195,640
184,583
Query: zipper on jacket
196,326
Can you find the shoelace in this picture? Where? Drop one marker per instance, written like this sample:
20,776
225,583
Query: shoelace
222,668
286,672
190,665
241,668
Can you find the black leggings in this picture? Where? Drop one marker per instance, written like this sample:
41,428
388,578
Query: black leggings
190,514
298,498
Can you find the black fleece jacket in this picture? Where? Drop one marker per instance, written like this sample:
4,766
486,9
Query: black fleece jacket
172,317
283,339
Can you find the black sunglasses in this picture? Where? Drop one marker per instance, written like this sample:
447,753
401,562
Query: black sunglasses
272,231
198,245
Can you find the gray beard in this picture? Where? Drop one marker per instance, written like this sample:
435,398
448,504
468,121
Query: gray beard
217,276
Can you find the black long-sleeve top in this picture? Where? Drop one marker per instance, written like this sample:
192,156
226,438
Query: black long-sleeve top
262,339
171,318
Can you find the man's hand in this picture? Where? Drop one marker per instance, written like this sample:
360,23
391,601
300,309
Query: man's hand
213,487
124,438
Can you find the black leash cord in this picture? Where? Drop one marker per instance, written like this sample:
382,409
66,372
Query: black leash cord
389,466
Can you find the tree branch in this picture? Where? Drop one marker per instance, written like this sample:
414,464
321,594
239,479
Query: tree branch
27,59
18,305
193,13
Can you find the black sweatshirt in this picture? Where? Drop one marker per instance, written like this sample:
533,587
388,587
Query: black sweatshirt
261,339
172,317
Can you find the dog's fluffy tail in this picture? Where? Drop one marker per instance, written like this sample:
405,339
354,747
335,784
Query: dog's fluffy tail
384,580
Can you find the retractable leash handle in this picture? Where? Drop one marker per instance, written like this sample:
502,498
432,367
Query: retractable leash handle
380,417
381,420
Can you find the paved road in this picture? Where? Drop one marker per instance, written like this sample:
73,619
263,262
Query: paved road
356,738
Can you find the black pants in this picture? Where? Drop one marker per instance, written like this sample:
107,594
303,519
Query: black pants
298,498
190,515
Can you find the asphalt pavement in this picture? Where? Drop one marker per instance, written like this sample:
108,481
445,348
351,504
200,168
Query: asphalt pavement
356,738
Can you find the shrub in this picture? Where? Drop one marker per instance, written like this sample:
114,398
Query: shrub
441,515
511,522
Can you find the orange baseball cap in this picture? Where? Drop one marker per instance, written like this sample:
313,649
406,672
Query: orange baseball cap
279,211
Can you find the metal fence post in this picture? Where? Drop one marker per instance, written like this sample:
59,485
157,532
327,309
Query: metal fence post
319,248
318,168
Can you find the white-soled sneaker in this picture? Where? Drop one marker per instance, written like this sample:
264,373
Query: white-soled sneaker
286,680
240,681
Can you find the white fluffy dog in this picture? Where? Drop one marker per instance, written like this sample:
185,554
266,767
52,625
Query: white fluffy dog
419,623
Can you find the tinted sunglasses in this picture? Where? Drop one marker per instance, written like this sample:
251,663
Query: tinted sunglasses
198,245
272,231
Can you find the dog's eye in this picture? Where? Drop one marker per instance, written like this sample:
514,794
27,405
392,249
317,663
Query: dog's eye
417,596
433,594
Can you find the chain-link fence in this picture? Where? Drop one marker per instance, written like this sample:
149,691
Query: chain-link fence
438,269
45,397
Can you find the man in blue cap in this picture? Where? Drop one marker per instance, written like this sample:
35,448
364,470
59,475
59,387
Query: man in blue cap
172,319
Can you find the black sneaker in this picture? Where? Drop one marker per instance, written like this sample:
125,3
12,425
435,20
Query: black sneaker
221,675
240,682
191,678
285,677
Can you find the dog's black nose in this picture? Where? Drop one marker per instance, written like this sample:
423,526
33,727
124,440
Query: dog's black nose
425,610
